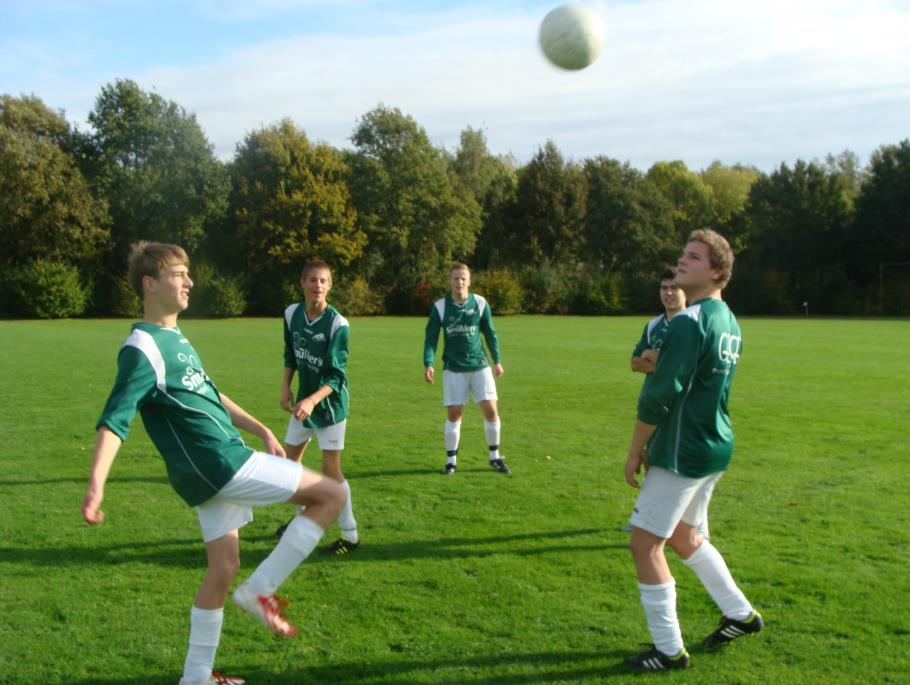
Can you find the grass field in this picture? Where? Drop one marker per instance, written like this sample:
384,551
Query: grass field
477,578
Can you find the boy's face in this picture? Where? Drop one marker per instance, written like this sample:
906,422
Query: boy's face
671,296
316,285
693,268
171,290
460,281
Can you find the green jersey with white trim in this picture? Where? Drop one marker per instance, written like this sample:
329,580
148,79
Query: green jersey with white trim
687,395
461,325
161,375
653,335
318,351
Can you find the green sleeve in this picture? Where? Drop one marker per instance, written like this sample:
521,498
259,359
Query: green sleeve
290,362
677,360
136,381
333,369
489,334
431,339
643,343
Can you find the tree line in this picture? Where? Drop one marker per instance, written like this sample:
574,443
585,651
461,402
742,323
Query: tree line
391,213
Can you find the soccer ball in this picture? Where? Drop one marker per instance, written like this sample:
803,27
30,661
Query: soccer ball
571,36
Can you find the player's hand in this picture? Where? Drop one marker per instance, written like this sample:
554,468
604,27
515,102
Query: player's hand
644,458
91,507
287,398
303,409
633,469
498,370
272,446
428,373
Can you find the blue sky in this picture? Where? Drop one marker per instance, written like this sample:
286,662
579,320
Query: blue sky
757,82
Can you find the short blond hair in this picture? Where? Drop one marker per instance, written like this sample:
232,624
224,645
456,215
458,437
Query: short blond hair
719,252
459,266
148,259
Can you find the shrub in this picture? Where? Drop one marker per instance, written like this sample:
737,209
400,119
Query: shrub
356,298
501,288
215,295
124,301
547,289
47,290
597,295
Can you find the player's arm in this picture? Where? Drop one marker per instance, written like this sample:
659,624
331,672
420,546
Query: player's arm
135,381
636,456
640,362
107,444
245,421
430,341
492,340
286,399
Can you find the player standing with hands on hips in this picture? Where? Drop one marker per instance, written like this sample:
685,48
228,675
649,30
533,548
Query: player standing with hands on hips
194,427
683,420
463,316
316,349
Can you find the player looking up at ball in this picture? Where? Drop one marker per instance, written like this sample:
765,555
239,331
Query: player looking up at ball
684,422
647,351
316,350
194,427
463,316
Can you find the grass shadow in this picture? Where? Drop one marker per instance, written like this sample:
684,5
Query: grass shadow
548,667
190,553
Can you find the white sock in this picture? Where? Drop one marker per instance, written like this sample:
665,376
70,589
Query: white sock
707,563
659,602
452,435
205,633
299,540
492,429
346,518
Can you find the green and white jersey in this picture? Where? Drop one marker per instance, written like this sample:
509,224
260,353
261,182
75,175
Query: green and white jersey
653,335
686,397
318,351
461,325
161,375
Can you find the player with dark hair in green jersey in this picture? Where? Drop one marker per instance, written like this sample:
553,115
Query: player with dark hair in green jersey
316,350
194,427
647,351
684,422
463,316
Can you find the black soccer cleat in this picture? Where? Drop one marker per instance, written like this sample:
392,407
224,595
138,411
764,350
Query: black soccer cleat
655,660
340,547
449,469
731,629
500,465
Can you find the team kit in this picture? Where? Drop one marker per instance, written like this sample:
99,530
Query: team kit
681,445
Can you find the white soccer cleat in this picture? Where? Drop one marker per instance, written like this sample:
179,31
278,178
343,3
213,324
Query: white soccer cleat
268,610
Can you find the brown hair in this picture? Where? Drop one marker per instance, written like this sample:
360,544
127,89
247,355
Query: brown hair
668,274
148,259
459,266
315,264
719,251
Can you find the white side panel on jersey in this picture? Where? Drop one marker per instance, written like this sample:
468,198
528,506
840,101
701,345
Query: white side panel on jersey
481,303
692,312
337,323
289,313
652,324
144,342
441,309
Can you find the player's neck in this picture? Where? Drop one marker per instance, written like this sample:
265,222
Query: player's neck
157,317
457,299
701,292
670,313
315,309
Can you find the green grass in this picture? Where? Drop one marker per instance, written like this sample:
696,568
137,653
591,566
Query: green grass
478,578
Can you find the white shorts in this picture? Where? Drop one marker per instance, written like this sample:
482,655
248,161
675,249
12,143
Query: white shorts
456,384
330,438
666,498
264,479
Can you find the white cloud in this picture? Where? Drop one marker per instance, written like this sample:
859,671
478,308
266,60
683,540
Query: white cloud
757,82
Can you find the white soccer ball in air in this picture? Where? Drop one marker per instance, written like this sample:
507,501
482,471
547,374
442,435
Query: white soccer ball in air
572,36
